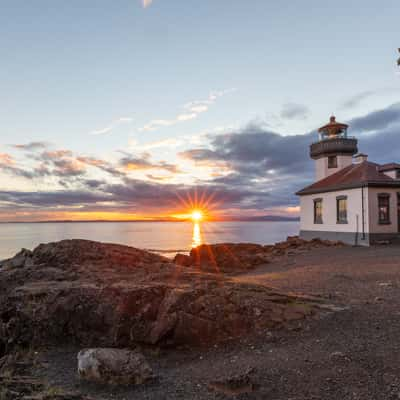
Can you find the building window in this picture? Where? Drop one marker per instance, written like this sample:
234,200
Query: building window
398,174
384,208
318,211
341,209
332,162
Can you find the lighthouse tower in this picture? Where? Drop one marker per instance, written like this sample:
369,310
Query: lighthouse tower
334,150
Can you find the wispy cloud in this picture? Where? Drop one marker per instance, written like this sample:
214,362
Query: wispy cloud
146,3
190,111
294,111
355,100
112,126
143,163
32,146
169,143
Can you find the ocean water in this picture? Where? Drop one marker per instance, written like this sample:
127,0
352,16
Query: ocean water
166,238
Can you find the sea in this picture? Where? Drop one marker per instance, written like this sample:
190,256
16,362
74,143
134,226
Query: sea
166,238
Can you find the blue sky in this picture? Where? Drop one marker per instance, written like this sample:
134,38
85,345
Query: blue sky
114,80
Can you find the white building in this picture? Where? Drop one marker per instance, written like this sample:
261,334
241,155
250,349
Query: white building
353,200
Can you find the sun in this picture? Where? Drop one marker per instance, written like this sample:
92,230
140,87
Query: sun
196,215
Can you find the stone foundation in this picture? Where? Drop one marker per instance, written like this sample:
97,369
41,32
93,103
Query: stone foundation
352,238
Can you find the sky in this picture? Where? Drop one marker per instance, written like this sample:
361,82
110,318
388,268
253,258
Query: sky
134,109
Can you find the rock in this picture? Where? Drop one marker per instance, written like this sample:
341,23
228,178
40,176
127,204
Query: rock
234,385
104,295
113,366
236,257
228,257
20,260
183,260
338,356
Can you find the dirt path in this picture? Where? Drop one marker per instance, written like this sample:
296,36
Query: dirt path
351,354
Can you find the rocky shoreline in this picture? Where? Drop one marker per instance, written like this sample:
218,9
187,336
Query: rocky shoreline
88,294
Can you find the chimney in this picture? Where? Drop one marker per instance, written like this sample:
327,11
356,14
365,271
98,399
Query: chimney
360,158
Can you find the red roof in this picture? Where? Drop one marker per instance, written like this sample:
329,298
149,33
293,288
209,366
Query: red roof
333,125
356,175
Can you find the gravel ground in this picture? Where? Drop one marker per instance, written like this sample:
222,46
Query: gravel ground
349,354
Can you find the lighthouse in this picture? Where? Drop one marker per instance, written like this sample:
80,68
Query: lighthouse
353,199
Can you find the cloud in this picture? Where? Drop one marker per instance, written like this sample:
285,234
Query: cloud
102,165
261,171
168,143
357,99
53,198
265,161
190,111
32,146
294,111
112,126
376,120
146,3
6,159
133,163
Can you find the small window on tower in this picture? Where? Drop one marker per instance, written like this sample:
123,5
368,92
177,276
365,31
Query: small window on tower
332,162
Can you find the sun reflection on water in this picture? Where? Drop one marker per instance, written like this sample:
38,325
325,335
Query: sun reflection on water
196,238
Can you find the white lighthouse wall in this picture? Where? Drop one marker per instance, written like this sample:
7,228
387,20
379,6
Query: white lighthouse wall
376,227
322,170
352,232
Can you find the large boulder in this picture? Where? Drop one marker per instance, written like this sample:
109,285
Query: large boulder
237,257
113,366
225,257
104,295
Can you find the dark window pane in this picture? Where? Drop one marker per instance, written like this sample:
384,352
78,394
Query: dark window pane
332,162
342,210
318,212
384,209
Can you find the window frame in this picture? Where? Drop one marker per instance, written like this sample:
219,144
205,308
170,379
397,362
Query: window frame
318,219
385,196
335,163
339,218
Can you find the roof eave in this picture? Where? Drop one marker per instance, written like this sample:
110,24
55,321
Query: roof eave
395,184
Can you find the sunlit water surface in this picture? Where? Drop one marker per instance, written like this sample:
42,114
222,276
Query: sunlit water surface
166,238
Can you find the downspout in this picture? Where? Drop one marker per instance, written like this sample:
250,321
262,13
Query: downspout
362,213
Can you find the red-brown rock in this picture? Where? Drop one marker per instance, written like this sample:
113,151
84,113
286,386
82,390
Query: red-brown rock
104,295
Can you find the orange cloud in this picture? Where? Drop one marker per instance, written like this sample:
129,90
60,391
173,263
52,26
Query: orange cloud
6,159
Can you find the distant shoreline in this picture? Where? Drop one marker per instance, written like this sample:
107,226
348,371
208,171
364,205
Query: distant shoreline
274,219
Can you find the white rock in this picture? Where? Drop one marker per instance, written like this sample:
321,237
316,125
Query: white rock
114,366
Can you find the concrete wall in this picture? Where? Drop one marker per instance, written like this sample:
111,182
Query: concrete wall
322,170
354,211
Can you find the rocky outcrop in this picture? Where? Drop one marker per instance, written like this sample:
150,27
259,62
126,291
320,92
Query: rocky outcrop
228,257
235,257
105,295
113,366
20,260
18,380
